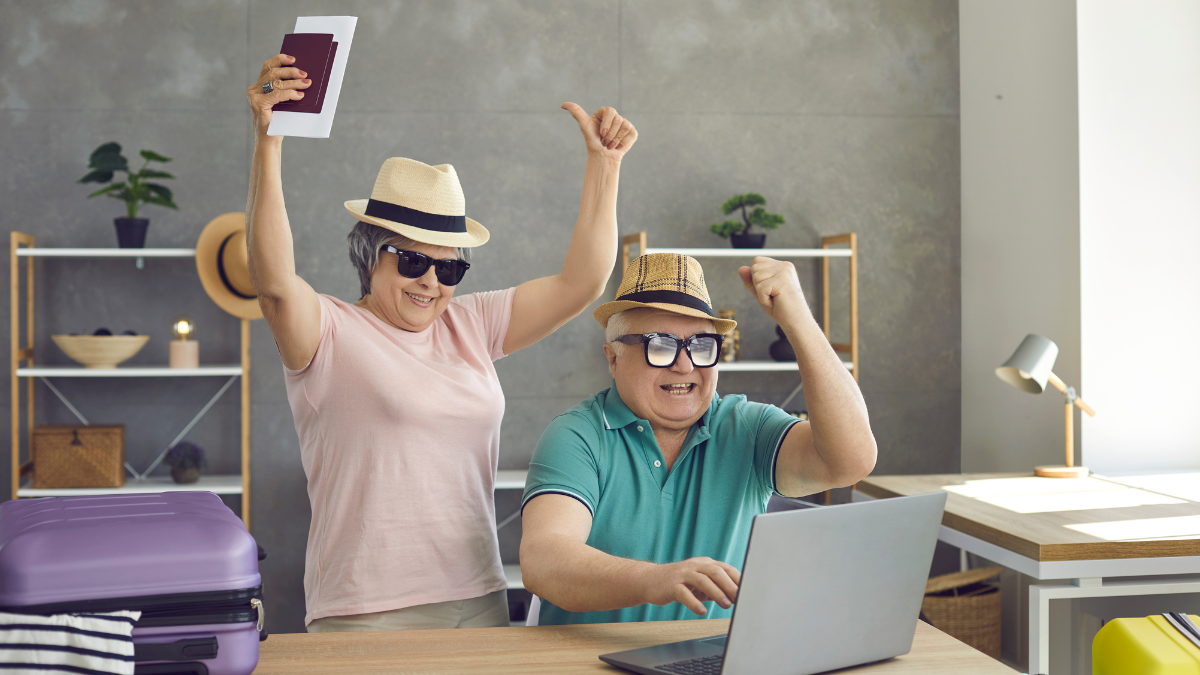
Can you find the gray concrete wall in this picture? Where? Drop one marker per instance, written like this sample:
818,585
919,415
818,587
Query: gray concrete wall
1020,223
843,114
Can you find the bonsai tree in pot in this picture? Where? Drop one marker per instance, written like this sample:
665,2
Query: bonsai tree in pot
739,233
185,459
134,191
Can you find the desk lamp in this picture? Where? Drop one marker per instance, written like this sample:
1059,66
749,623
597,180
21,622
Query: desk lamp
1028,370
185,351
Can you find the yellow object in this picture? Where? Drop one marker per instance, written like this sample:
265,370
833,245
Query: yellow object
1144,646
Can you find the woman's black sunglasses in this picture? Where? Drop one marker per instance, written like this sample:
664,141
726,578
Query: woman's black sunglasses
704,349
413,265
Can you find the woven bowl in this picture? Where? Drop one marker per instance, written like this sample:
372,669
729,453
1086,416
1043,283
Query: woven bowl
100,351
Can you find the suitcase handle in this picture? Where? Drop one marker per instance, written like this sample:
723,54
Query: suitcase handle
171,669
182,650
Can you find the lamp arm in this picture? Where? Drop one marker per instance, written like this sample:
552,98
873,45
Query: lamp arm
1058,384
1061,386
1085,407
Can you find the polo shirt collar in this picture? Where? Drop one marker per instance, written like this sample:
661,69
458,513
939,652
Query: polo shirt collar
617,415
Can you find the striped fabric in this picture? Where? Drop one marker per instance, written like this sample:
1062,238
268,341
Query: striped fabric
89,644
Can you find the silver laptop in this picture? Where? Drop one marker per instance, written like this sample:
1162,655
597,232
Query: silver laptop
822,588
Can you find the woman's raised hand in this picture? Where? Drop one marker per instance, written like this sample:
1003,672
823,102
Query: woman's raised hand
605,132
287,82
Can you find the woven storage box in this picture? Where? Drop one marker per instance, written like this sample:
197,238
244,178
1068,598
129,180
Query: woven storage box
967,608
76,456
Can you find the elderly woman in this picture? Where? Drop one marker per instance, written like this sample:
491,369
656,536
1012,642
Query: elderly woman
395,398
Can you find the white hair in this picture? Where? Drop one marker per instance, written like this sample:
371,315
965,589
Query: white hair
618,325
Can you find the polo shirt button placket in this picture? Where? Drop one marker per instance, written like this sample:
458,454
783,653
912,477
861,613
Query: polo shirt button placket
657,463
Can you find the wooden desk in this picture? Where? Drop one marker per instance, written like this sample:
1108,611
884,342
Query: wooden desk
555,649
1090,532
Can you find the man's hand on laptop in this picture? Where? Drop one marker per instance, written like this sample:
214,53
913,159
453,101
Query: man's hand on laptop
693,582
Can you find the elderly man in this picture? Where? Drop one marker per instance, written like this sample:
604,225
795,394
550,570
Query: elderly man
639,500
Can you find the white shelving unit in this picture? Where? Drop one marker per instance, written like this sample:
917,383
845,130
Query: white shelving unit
752,252
106,253
131,371
766,366
23,367
220,484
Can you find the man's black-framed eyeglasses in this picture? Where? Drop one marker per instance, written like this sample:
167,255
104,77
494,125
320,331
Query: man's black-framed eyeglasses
704,349
413,265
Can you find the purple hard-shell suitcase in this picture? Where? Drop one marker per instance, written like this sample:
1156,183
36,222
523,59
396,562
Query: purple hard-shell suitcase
182,558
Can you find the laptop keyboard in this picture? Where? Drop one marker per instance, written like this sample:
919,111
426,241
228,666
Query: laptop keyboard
705,665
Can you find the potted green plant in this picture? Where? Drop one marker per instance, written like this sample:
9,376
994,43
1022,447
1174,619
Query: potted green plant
739,233
134,191
185,459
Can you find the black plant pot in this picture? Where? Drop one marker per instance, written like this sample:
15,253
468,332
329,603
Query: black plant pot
781,349
131,232
743,240
188,474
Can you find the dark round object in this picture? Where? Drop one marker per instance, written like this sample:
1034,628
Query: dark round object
102,331
131,232
185,475
742,240
781,349
129,332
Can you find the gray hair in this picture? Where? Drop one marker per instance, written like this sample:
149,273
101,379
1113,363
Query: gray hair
366,240
618,325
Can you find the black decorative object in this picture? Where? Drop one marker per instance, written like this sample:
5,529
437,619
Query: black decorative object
185,459
754,240
781,349
739,233
131,232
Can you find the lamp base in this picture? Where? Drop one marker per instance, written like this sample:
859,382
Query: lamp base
184,354
1061,471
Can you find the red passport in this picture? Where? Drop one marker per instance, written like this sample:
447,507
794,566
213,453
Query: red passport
314,55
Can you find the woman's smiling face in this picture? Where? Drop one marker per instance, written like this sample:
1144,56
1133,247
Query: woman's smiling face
409,304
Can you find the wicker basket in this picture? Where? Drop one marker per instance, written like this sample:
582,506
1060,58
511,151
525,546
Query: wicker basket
964,606
74,456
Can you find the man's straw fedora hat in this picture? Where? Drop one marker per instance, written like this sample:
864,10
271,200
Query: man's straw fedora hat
666,281
424,203
224,266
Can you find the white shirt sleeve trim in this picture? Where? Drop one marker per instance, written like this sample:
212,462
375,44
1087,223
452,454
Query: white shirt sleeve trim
560,491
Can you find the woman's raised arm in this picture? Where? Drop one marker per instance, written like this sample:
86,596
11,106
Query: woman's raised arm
541,306
289,304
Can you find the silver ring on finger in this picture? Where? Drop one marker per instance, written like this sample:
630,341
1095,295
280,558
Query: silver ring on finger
268,87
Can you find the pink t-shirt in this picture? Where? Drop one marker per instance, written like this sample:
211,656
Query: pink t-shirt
399,437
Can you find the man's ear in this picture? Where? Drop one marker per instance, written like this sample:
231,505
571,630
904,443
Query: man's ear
611,355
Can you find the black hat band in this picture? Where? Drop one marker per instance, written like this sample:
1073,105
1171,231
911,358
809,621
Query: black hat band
669,297
221,271
415,218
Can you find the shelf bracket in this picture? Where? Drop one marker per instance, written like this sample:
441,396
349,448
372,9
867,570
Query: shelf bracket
799,388
179,437
78,415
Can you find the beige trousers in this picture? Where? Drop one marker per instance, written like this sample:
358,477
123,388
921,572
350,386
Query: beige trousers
486,611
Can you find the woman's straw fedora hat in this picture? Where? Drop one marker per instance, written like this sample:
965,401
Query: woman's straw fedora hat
424,203
224,266
667,281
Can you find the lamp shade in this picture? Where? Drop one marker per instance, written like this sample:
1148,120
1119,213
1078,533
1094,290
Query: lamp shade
1029,367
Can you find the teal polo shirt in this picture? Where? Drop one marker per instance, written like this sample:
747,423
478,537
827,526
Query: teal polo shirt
601,454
